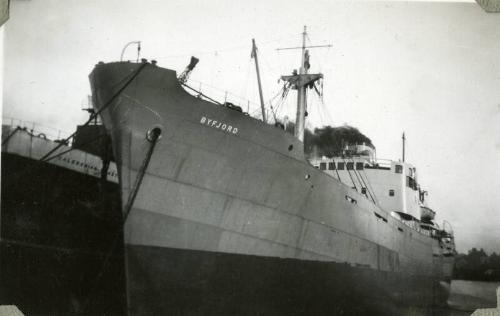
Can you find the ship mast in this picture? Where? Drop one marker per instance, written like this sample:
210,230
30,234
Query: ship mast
300,118
404,143
301,81
254,55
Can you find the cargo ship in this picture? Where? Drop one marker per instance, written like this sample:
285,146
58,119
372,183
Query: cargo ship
61,242
224,214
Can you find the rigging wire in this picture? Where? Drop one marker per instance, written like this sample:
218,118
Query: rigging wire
201,94
336,171
153,137
216,53
6,139
280,101
326,111
350,176
277,94
370,186
244,88
72,148
362,182
355,174
94,115
225,92
225,49
323,111
284,95
38,164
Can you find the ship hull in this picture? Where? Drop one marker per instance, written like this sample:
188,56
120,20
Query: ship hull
232,190
61,247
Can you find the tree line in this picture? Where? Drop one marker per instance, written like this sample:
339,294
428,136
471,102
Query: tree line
477,265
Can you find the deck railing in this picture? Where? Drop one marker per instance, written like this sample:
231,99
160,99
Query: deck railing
222,96
35,128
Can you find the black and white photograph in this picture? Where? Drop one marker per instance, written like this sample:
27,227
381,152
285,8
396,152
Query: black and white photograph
250,157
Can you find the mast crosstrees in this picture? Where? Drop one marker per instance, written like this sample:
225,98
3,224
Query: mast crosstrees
301,81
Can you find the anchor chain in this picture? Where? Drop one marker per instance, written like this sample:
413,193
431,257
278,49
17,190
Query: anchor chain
152,137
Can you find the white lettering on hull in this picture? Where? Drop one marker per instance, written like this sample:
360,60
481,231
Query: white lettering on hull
219,125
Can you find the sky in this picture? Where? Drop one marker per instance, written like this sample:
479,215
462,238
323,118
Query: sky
430,69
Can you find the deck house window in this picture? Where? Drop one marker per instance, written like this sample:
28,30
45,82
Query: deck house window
340,166
391,192
399,169
350,165
322,166
410,182
331,166
359,166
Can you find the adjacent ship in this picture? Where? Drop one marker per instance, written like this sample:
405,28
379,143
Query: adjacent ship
225,215
61,231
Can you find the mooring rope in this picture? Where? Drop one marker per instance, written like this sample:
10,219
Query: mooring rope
73,148
152,137
95,114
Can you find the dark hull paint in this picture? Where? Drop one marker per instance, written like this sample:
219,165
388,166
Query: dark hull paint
57,227
186,282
